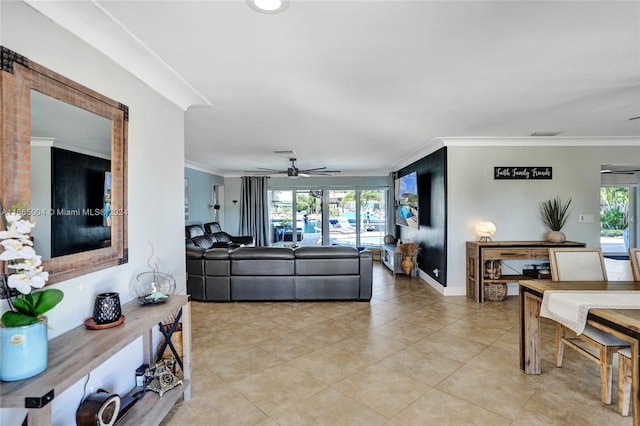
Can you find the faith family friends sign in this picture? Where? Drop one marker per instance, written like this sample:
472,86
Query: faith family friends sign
522,173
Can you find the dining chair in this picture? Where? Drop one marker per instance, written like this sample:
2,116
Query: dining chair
585,264
624,381
634,258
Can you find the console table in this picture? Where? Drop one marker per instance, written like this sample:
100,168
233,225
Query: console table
390,258
76,353
480,251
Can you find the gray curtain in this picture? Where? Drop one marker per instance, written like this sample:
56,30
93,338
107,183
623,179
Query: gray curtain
254,209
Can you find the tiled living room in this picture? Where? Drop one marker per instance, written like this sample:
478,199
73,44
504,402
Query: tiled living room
198,94
410,357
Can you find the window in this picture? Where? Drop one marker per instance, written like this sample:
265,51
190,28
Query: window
354,217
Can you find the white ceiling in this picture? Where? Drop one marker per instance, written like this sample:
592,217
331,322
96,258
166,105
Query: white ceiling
360,86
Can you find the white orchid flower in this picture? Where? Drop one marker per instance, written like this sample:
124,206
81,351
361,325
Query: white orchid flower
21,226
27,264
27,280
13,217
16,251
14,235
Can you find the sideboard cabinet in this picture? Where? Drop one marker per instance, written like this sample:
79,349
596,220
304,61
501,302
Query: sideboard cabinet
76,353
480,251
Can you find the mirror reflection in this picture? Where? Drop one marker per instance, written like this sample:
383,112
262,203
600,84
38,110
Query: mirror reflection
70,177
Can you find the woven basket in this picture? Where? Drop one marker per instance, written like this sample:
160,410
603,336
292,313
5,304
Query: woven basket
495,292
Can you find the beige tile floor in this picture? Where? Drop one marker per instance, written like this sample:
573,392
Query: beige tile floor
410,357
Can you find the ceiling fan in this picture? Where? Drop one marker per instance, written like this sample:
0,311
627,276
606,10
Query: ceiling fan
619,171
294,172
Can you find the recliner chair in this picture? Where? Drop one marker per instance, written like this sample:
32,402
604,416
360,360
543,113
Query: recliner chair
214,228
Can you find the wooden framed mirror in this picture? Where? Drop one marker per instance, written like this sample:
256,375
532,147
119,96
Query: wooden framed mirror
73,188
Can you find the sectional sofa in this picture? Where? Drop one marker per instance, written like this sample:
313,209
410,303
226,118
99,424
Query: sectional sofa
279,273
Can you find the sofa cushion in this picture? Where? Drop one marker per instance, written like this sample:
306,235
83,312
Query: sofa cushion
203,241
221,237
327,260
262,261
262,253
328,266
212,227
217,253
326,252
209,241
193,231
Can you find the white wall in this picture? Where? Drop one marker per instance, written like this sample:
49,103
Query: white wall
513,206
155,186
41,198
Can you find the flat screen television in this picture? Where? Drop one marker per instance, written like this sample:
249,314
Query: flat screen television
407,202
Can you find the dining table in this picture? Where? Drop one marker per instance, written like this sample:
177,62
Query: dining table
623,322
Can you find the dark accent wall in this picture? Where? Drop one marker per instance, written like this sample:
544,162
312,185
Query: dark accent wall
77,198
432,234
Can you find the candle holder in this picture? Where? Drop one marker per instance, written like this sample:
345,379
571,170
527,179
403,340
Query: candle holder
107,308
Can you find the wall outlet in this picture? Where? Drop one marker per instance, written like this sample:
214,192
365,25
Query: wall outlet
585,218
95,386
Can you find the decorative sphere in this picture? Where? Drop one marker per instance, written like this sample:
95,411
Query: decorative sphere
389,239
153,287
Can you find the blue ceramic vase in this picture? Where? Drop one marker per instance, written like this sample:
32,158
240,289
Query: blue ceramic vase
23,351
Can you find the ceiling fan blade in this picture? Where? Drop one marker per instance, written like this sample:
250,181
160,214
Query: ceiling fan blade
314,169
325,171
265,172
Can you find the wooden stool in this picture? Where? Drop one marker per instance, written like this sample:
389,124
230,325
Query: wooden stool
624,381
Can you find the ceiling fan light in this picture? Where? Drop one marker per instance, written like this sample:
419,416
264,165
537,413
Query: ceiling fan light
268,6
545,134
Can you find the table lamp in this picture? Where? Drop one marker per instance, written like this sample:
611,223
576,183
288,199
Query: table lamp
485,230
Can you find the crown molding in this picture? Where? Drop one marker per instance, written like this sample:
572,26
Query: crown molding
541,141
90,22
202,168
429,147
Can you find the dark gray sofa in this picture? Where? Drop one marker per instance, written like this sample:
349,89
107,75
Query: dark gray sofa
279,273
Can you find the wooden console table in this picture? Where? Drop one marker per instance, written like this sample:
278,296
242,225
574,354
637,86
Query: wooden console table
76,353
390,258
480,251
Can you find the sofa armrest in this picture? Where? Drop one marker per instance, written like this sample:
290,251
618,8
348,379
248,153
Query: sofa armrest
366,275
242,239
194,252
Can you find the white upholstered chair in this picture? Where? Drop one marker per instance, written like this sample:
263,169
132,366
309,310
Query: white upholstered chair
634,258
585,264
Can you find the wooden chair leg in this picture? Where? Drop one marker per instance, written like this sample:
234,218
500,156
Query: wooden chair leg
559,345
624,384
606,373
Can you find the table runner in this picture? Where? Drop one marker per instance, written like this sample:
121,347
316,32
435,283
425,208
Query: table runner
570,308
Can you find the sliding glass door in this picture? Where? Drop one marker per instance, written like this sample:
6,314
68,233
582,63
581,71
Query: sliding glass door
296,217
617,219
355,217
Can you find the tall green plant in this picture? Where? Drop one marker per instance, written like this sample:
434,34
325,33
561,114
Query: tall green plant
555,213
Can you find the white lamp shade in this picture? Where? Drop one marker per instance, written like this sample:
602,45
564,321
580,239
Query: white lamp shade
485,229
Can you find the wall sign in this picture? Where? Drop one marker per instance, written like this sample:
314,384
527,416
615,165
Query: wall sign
524,173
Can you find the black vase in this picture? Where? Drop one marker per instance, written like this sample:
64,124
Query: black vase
107,308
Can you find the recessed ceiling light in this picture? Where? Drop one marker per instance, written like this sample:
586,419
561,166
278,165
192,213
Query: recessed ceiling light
545,134
284,151
268,6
